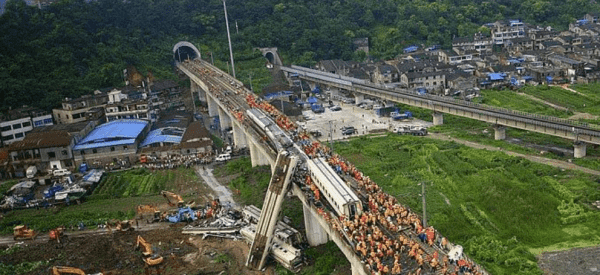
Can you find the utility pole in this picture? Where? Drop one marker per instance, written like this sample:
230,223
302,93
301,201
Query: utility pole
424,206
237,31
331,134
212,60
229,38
250,76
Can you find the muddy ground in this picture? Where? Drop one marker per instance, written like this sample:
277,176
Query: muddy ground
581,261
115,254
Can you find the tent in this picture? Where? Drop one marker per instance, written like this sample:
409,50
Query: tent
312,100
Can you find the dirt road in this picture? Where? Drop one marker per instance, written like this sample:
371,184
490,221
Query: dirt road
538,159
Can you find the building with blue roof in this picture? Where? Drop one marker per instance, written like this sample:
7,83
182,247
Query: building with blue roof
115,139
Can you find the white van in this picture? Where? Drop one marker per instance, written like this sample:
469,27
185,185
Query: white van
223,157
60,172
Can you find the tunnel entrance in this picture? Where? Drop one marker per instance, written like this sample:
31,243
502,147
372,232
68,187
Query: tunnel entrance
270,57
185,50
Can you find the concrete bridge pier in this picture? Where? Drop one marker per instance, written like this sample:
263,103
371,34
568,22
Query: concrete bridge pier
256,157
197,89
579,149
239,138
438,118
213,108
499,132
315,235
224,119
332,92
358,98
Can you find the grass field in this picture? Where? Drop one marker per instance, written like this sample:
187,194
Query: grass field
514,101
115,197
587,102
502,209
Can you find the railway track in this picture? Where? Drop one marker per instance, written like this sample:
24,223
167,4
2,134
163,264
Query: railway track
232,94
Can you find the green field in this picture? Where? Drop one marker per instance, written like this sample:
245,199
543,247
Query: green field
585,103
115,197
514,101
502,209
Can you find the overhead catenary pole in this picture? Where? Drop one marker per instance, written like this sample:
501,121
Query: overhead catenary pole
229,39
424,206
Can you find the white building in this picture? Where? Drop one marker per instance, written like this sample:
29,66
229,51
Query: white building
14,130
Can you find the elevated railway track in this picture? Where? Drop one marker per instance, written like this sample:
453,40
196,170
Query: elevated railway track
373,231
579,132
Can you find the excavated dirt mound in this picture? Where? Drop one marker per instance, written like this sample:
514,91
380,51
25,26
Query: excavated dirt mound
115,253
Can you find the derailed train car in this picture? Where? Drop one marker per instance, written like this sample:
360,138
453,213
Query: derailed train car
265,125
287,255
339,195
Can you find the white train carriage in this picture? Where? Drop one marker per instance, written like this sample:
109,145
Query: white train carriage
270,128
289,256
341,197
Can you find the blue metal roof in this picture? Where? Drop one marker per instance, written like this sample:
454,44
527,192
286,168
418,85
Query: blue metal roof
117,132
163,135
496,76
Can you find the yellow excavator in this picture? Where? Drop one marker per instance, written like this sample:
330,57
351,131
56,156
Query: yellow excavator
147,251
145,209
173,199
58,270
120,226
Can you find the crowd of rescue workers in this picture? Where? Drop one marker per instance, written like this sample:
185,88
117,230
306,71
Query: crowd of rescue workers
405,238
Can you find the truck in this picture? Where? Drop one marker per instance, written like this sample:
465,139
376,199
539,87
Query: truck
411,130
386,111
31,171
401,116
317,108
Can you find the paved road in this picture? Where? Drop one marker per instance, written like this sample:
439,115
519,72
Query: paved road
552,162
222,192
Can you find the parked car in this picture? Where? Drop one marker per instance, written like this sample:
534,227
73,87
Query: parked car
223,157
348,130
316,133
335,108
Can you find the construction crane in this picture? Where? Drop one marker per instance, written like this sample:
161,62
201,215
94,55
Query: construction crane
170,196
23,232
58,270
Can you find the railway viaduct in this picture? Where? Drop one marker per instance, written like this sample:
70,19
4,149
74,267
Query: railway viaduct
227,98
581,133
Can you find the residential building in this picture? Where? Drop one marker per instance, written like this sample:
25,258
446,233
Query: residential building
507,30
196,140
75,110
166,133
16,123
44,149
385,73
114,139
120,106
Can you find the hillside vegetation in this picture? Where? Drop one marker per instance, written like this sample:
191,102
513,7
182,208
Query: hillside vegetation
74,47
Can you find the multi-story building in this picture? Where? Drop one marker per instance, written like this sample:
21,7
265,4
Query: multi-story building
17,123
510,30
120,106
75,110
